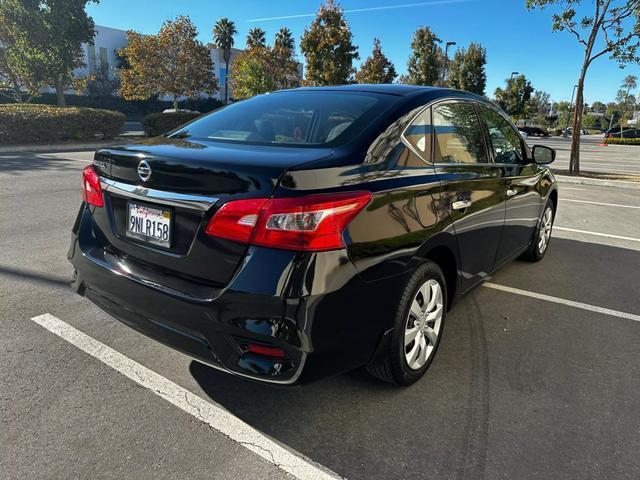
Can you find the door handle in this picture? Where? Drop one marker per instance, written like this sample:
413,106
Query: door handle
461,204
511,192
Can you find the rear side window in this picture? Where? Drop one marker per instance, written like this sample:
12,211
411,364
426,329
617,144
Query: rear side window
458,134
301,118
418,133
505,141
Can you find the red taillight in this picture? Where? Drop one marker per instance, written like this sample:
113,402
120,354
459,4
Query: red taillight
91,190
309,223
235,220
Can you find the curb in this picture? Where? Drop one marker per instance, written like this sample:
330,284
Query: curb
598,182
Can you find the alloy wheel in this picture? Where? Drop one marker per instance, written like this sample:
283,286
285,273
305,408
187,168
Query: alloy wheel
423,324
545,230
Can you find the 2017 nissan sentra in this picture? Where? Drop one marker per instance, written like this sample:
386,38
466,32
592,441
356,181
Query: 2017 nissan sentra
307,232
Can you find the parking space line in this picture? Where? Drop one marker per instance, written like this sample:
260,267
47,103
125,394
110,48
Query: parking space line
215,416
563,301
599,203
598,234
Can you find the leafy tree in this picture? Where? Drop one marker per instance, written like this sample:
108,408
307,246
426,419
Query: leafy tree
613,113
252,74
20,74
327,45
515,97
223,32
563,111
404,80
538,108
173,63
42,42
598,107
467,69
284,60
612,29
626,100
377,68
426,60
102,83
256,38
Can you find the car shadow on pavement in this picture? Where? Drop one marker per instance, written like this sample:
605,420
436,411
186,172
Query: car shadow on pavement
17,163
33,276
505,395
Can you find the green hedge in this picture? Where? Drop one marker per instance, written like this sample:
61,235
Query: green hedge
33,123
156,124
622,141
133,109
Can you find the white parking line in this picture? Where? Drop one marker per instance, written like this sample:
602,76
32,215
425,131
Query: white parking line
570,303
213,415
599,203
597,234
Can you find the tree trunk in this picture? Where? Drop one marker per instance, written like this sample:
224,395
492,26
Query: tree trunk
226,82
175,103
60,92
574,163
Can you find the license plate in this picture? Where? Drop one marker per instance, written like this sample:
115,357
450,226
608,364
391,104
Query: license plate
150,224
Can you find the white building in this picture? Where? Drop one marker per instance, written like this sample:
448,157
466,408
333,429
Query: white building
106,43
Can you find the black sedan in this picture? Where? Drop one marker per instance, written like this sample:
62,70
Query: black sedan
308,232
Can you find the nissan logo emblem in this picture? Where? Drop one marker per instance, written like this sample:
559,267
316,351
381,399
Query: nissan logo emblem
144,170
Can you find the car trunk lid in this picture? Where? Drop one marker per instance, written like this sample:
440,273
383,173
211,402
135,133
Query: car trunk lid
187,181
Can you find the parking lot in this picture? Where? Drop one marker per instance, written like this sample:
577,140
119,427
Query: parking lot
612,159
537,377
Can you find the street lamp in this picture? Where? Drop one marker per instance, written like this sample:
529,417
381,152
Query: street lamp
573,95
446,60
514,73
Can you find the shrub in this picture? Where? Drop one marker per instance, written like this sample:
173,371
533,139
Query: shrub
156,124
34,123
133,109
622,141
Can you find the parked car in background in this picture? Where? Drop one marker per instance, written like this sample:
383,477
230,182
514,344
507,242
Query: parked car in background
534,131
626,133
524,134
307,232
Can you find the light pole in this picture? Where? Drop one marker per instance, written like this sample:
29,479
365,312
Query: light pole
573,95
514,73
446,60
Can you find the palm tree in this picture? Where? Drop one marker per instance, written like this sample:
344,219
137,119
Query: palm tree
284,40
256,38
223,32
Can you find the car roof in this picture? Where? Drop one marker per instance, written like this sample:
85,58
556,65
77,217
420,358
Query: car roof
383,88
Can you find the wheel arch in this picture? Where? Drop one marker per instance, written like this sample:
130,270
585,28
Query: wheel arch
553,196
442,249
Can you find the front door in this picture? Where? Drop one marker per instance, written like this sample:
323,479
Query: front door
472,187
521,179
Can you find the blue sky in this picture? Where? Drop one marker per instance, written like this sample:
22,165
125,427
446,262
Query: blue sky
516,40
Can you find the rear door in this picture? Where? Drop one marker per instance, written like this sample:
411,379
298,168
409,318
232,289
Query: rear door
472,187
521,180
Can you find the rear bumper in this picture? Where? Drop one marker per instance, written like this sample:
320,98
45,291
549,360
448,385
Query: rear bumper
300,303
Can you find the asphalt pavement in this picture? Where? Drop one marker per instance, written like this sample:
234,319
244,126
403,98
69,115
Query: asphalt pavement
594,157
537,376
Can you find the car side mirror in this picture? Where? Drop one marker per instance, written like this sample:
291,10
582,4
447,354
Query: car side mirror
543,155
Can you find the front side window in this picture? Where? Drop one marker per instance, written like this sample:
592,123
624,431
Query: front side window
310,118
458,134
505,141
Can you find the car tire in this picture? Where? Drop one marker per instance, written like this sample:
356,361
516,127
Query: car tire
542,235
407,358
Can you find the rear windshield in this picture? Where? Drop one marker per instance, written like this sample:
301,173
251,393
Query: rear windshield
293,118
